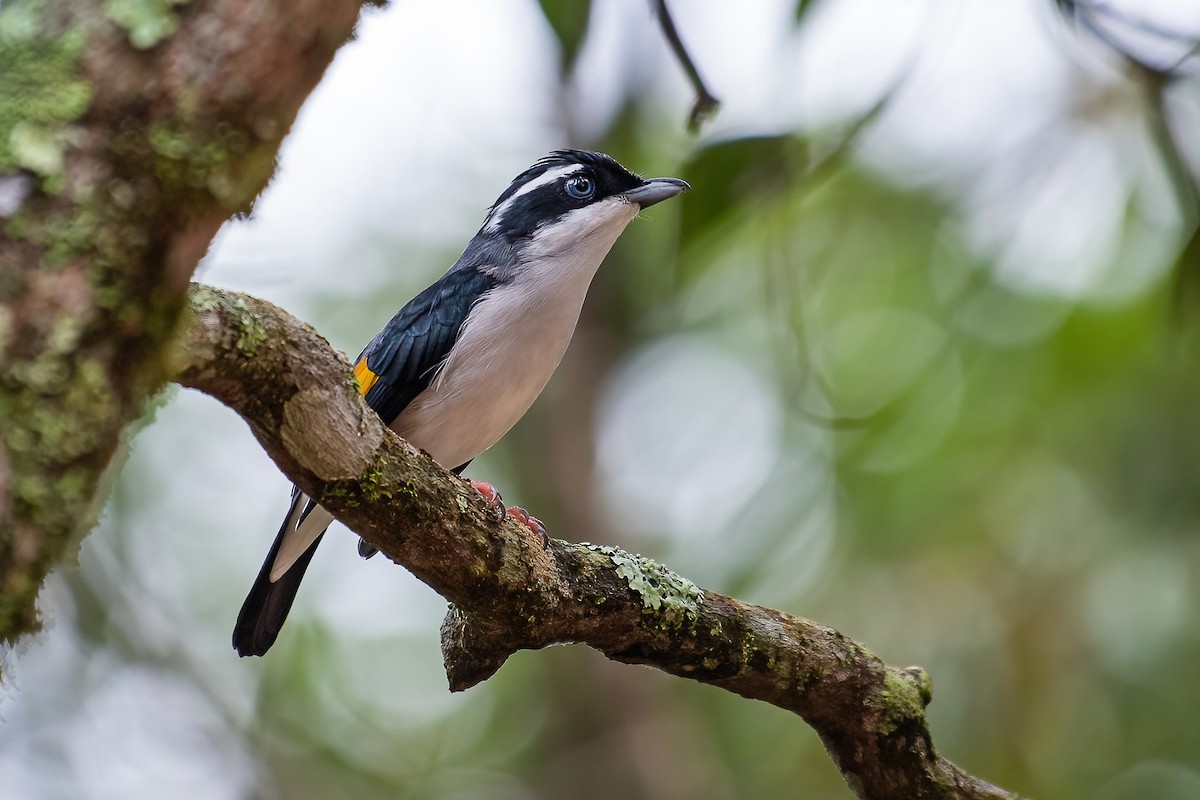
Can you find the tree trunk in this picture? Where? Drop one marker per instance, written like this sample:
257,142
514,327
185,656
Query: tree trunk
128,135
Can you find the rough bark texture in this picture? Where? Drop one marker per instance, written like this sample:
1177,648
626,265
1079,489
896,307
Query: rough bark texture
510,591
128,133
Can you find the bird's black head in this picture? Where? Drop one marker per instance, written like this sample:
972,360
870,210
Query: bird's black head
566,181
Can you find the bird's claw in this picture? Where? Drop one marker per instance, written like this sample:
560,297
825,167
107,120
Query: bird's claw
529,521
492,495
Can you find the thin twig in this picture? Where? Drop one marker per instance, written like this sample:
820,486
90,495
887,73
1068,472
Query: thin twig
706,102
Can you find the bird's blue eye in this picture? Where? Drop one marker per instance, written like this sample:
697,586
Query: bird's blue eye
581,187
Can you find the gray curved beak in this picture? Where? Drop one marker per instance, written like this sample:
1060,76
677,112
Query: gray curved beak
655,190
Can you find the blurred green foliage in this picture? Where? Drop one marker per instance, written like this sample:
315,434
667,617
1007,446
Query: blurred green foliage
569,21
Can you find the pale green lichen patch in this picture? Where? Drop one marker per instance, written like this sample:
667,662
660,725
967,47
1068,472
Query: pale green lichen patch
251,331
41,90
38,148
147,22
901,702
223,162
672,597
204,298
251,334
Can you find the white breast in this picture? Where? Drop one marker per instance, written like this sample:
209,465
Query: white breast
514,339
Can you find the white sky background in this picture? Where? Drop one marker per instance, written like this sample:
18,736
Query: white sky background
418,126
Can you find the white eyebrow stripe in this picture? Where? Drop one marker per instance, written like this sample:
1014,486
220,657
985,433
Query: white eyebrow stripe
547,177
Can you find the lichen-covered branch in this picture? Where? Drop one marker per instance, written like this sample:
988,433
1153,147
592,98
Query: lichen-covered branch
510,591
129,132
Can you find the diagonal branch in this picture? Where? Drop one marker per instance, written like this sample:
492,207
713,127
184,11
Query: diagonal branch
509,591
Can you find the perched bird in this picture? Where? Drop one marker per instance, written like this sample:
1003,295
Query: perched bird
456,368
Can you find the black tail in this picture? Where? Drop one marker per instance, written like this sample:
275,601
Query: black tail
268,603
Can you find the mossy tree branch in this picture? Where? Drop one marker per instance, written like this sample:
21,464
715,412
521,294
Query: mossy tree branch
129,132
510,591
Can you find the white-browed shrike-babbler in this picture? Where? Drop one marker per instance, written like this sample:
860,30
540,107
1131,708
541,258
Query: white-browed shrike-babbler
456,368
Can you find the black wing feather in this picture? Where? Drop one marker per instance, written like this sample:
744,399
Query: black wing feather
407,352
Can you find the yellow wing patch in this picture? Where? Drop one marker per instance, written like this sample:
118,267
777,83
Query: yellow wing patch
362,373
